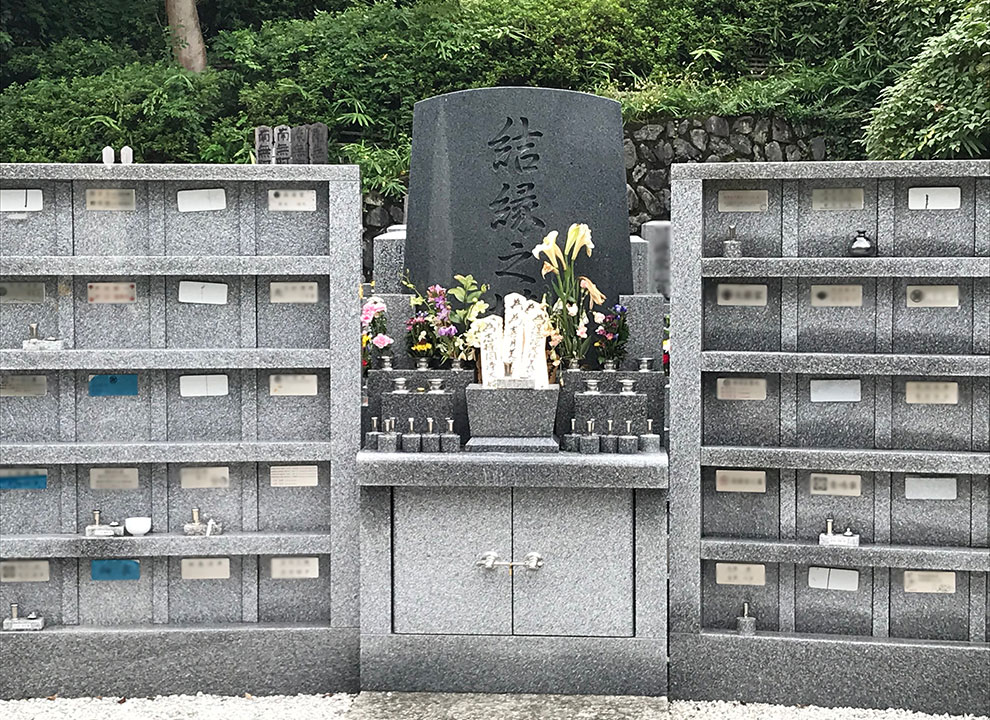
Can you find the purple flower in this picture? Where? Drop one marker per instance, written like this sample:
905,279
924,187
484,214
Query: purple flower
447,331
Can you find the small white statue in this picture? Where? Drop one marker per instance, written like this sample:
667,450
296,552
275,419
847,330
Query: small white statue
513,354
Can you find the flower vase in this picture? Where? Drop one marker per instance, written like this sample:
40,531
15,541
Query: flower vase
386,361
456,364
422,363
608,365
573,364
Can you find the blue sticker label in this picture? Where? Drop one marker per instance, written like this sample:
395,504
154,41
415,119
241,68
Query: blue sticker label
25,480
110,385
115,570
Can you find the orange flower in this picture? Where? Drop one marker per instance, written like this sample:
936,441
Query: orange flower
595,296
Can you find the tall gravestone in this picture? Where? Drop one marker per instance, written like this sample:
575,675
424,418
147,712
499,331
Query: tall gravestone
494,170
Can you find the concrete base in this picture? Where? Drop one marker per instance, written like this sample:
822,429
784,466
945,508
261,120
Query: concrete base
474,706
513,664
513,445
260,659
831,671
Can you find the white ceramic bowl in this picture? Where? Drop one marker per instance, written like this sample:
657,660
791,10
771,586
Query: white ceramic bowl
137,525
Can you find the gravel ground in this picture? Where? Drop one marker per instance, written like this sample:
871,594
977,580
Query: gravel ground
427,706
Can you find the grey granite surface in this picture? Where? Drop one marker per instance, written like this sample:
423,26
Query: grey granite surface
826,170
512,664
810,552
175,359
179,172
517,706
851,459
66,453
603,407
742,327
144,265
933,522
511,412
163,659
833,611
643,470
845,267
825,363
157,544
863,672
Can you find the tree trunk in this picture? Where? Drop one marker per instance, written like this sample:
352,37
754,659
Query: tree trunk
187,37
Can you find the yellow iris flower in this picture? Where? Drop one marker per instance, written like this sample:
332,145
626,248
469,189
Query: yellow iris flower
549,248
578,238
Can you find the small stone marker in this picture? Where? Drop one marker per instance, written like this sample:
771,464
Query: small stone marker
494,170
299,145
318,144
283,144
263,145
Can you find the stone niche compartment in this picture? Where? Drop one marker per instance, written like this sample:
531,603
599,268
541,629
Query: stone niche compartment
837,315
104,325
17,313
117,491
756,214
929,615
29,406
115,602
204,418
831,212
25,506
216,488
933,316
203,324
835,411
291,218
721,604
109,410
108,227
933,422
740,510
847,496
740,422
928,509
204,600
840,603
284,415
294,497
293,311
213,230
35,232
926,232
43,597
296,598
741,314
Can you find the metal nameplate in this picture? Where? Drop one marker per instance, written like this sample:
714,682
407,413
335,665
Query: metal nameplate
295,568
21,200
115,199
22,293
931,393
740,574
106,293
113,478
102,570
846,198
202,293
208,568
203,385
292,200
743,200
836,296
754,481
196,478
934,198
125,385
836,484
918,296
23,385
201,200
930,581
294,292
823,578
744,295
294,475
24,571
741,389
18,478
292,385
826,391
930,488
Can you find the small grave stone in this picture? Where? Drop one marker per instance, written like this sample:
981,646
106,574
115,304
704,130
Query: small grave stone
263,144
283,145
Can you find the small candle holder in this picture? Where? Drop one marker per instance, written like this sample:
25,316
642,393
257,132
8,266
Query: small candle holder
731,246
591,387
436,386
400,385
645,364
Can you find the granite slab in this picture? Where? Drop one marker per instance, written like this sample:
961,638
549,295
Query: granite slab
144,265
150,452
842,363
826,170
877,460
178,172
174,359
845,267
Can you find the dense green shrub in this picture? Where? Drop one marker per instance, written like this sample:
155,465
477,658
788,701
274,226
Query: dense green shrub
940,107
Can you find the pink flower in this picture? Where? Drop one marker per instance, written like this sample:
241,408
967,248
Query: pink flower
381,341
582,331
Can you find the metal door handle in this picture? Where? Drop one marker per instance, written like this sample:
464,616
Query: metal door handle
490,560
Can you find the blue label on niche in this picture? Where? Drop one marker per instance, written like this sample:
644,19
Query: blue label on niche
115,570
110,385
24,482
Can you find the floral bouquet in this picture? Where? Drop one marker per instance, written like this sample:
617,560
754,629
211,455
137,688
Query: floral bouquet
421,340
374,330
612,334
449,325
568,315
